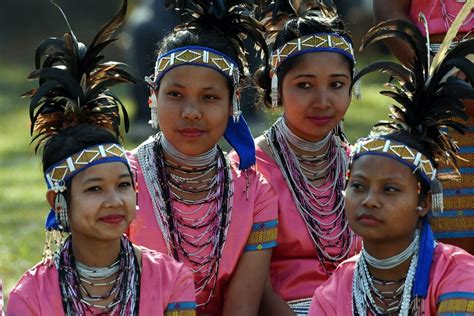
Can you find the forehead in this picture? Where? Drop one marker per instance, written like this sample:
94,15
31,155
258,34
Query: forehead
195,76
327,61
381,167
105,171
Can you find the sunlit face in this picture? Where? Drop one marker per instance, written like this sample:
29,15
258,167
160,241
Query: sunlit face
101,202
381,200
193,108
315,94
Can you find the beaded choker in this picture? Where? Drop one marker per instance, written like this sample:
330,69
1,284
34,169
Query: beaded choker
320,206
202,160
393,261
301,143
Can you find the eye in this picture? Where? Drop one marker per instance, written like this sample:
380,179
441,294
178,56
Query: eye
125,184
211,97
174,94
337,84
356,186
304,85
93,189
391,189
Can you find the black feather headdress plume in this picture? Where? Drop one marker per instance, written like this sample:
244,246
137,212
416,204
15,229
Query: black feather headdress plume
275,13
429,100
74,82
231,17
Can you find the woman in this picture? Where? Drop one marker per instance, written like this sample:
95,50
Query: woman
456,224
96,269
304,154
393,186
215,215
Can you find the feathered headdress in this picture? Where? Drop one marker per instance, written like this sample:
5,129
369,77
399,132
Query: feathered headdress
74,82
429,101
429,98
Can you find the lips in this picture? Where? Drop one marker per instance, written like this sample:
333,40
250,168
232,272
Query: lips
112,219
369,220
320,119
191,132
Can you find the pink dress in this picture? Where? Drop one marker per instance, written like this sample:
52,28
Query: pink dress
252,227
295,269
451,289
440,15
166,286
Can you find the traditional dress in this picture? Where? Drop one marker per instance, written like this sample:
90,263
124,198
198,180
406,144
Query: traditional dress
253,224
450,290
295,269
166,288
457,219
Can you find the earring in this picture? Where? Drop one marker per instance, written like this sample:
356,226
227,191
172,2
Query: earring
419,209
60,207
236,107
153,105
274,90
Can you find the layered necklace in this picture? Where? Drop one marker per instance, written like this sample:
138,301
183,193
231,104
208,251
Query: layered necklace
321,206
368,292
194,234
122,276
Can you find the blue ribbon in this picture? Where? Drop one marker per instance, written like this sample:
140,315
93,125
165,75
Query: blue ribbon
51,223
238,135
425,258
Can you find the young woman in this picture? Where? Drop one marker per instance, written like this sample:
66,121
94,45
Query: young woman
96,269
456,224
215,215
394,186
304,154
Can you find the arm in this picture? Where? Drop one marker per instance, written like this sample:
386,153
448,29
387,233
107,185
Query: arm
18,305
183,298
246,287
272,304
390,9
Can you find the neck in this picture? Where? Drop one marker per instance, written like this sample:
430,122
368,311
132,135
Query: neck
96,253
301,145
174,155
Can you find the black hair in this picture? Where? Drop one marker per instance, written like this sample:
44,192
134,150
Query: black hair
309,23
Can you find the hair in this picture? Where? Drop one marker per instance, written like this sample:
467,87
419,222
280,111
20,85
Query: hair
309,23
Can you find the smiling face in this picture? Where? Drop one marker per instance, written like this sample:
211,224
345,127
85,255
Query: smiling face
193,108
101,202
381,201
315,93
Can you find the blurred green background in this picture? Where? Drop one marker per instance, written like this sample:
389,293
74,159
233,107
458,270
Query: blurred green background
23,24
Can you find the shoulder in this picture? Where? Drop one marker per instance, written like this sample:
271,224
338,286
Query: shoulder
155,262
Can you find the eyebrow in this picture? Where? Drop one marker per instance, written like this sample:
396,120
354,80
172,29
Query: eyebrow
95,179
314,76
175,84
391,178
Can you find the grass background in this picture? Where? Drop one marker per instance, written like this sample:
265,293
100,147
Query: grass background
23,207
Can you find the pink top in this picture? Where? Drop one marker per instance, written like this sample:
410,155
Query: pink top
295,268
1,297
451,288
440,14
252,227
165,286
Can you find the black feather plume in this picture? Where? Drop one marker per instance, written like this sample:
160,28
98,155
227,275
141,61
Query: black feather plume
74,81
428,103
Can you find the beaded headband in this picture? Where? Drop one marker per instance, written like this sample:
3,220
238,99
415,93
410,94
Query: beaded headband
318,42
198,56
57,175
398,151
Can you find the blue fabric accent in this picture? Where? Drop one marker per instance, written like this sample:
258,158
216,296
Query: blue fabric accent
453,213
454,295
180,306
457,192
238,135
466,170
425,258
261,246
466,150
464,234
265,225
51,223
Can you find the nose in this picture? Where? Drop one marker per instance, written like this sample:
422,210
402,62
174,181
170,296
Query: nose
191,111
114,199
321,99
371,200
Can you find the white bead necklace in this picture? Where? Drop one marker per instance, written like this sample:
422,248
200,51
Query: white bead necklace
301,143
97,273
195,161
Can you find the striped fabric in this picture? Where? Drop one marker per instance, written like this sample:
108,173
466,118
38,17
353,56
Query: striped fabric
263,236
457,220
301,306
181,309
456,303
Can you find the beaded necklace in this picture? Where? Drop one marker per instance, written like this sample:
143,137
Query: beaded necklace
125,289
366,295
327,226
196,241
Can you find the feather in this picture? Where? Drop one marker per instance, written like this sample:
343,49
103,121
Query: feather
74,82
